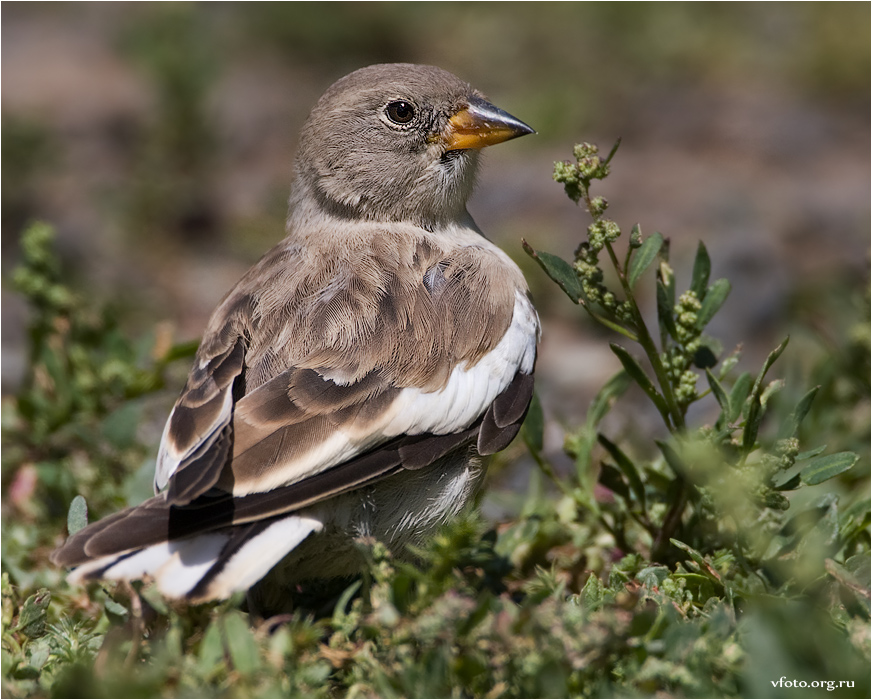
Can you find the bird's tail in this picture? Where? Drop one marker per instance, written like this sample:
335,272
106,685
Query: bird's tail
208,566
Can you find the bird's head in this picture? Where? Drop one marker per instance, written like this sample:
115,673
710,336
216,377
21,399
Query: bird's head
398,142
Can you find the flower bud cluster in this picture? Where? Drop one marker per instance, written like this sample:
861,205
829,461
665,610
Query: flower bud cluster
601,232
590,275
677,360
787,450
567,174
590,165
782,458
597,206
576,177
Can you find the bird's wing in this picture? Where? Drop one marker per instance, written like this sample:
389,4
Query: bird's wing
158,520
303,371
242,446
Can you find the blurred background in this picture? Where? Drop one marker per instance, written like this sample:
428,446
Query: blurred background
158,139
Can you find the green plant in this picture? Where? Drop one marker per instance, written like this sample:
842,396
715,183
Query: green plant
73,422
709,563
722,516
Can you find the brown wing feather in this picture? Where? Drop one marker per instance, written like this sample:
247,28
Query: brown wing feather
197,438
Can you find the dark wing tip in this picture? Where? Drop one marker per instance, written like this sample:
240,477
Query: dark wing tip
503,418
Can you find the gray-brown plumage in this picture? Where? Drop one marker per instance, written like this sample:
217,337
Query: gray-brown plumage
351,381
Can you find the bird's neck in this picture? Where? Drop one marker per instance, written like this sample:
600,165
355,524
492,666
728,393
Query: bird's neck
309,207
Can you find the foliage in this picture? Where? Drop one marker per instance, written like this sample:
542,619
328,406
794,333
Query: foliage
709,563
722,516
73,424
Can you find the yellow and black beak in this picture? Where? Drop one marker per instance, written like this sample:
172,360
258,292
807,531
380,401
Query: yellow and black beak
480,124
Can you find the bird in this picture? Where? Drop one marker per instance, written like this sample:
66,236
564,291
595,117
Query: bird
350,385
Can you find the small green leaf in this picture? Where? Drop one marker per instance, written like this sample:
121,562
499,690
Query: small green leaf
652,576
657,479
666,301
704,566
150,594
801,523
755,408
820,469
241,644
339,610
702,267
638,375
826,530
720,394
116,612
790,485
771,389
592,594
558,270
211,648
770,360
77,515
808,454
714,298
738,395
861,566
644,256
612,152
855,519
698,585
534,425
31,620
581,444
801,410
728,363
172,642
845,577
628,469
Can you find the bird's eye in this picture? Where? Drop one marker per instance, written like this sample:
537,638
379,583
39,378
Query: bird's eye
400,112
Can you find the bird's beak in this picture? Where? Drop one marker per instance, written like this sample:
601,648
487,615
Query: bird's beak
481,124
